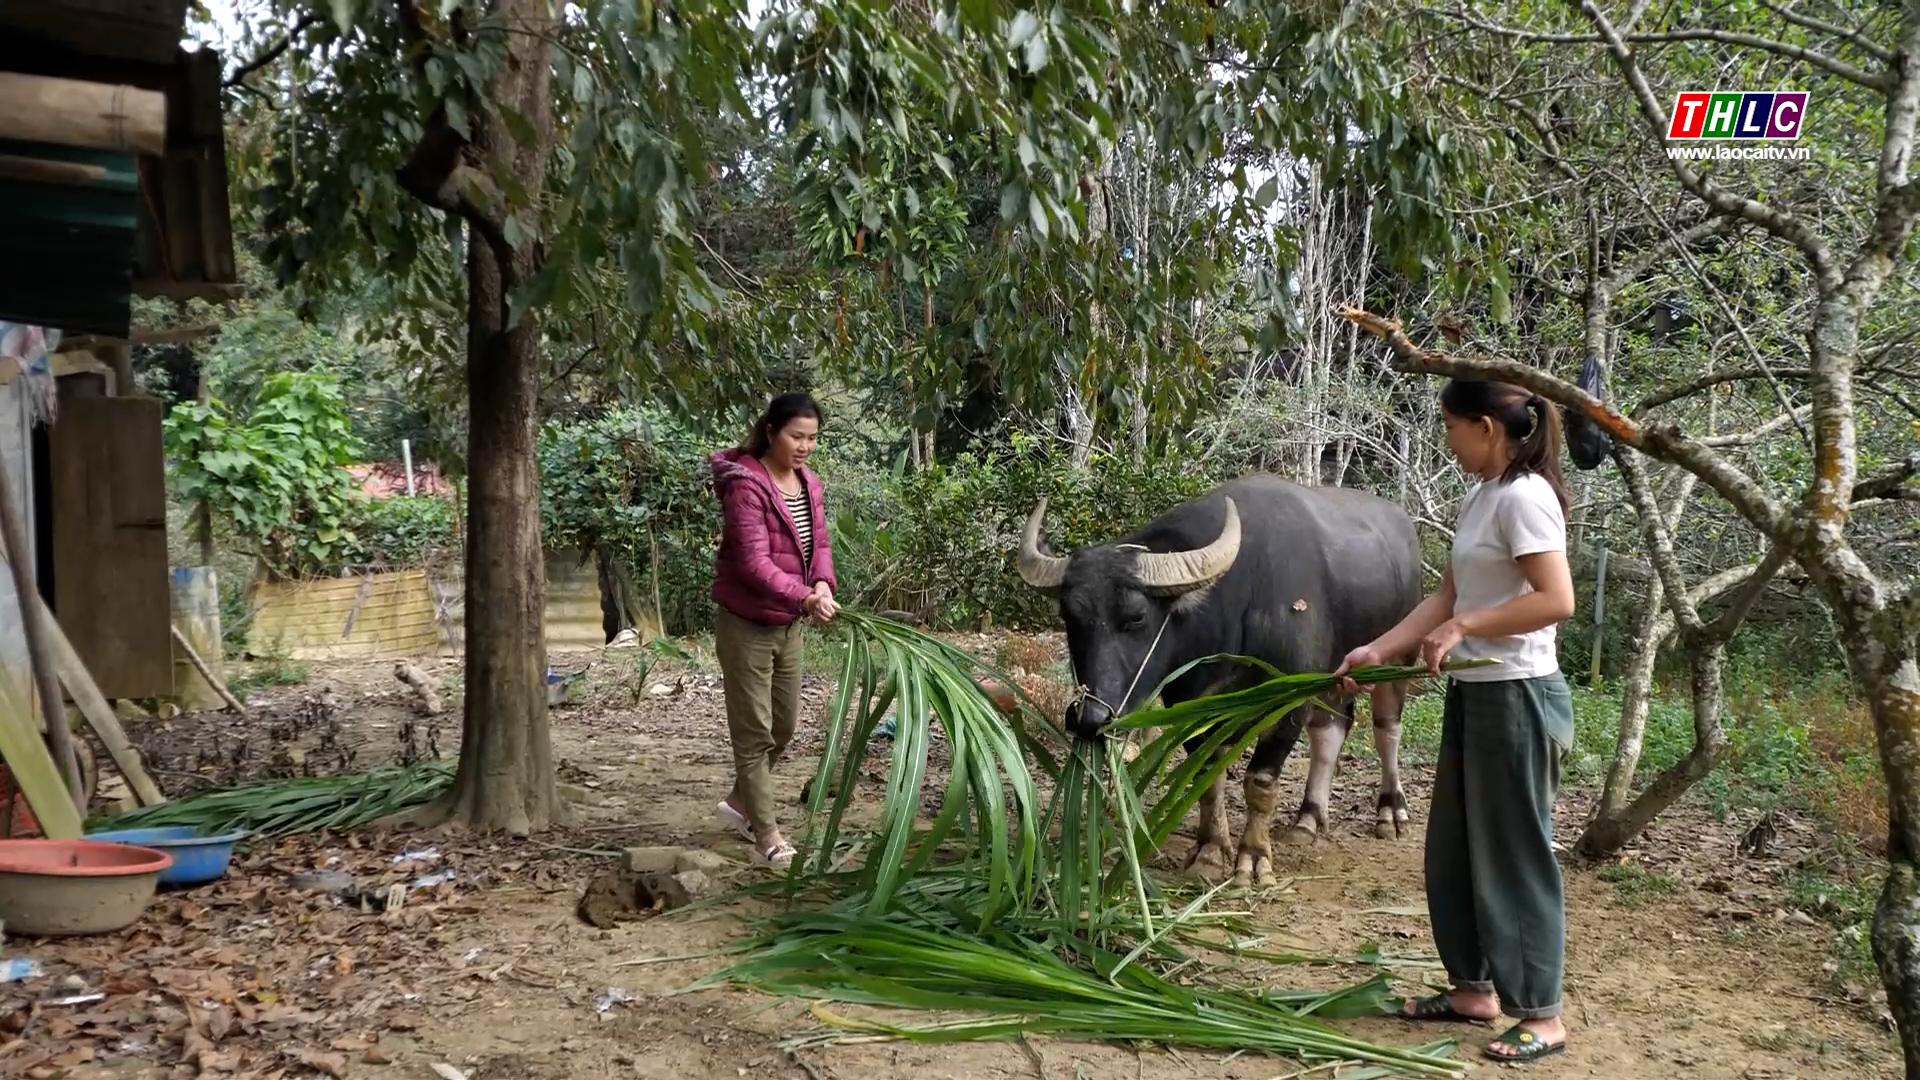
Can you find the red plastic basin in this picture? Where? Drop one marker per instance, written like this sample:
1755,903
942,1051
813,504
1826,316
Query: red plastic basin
57,887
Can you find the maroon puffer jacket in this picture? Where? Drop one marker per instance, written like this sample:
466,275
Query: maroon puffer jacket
759,573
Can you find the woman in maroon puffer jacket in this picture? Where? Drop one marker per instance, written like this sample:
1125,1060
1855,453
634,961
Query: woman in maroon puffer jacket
774,568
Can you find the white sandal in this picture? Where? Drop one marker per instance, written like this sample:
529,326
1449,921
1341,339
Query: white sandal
779,858
735,820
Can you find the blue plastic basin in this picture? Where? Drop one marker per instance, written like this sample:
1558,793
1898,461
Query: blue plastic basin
196,859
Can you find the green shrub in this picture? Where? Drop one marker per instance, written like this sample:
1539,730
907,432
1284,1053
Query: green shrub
276,474
405,531
947,547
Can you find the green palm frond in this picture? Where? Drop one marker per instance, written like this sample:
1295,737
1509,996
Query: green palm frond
1027,898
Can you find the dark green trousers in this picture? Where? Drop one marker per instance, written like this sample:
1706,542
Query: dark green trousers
1494,892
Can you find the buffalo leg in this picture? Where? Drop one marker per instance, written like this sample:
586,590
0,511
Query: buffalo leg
1326,734
1255,863
1390,803
1212,857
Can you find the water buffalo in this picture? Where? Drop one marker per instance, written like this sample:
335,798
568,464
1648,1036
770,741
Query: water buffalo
1294,575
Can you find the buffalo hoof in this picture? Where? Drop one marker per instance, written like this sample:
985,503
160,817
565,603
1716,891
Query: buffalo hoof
1211,862
1390,829
1298,836
1253,870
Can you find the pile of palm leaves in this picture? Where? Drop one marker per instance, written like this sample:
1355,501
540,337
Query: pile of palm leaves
304,804
1031,910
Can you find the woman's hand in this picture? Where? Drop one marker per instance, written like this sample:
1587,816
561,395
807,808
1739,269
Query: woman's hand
821,605
1367,655
1436,645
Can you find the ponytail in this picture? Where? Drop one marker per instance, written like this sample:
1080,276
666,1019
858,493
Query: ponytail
1540,450
1527,418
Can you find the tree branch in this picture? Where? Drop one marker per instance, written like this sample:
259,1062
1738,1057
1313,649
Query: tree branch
1712,286
271,53
1644,260
1906,608
437,174
1866,44
1721,630
1831,65
1889,484
1660,545
1899,196
1663,441
1781,224
1773,424
1708,382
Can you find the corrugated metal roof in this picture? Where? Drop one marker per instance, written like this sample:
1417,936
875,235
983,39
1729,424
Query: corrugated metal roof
69,247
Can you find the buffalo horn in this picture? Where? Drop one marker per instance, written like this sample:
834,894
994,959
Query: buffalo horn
1181,571
1039,570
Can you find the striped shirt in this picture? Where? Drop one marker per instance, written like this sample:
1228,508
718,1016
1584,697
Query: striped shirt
801,511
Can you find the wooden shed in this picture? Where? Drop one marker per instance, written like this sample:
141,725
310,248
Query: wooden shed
112,185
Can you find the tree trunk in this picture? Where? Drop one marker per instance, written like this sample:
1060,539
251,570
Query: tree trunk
1895,698
616,601
1608,833
505,780
1650,631
1076,423
1142,374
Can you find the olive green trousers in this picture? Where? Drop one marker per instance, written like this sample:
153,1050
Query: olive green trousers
760,666
1494,891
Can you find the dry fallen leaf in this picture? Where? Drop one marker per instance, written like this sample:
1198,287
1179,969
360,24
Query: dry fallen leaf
193,1045
334,1065
350,1043
343,964
376,1056
79,1055
211,1062
448,1072
219,1022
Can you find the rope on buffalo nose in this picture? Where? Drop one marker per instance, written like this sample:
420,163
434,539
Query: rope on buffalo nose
1082,694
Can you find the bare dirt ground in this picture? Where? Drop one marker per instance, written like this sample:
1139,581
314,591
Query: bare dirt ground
493,974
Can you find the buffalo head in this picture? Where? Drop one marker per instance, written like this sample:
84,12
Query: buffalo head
1115,599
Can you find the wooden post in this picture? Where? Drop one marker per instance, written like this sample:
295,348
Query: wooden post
203,393
119,356
26,594
94,707
193,656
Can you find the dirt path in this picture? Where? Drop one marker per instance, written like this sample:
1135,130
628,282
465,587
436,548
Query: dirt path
1684,971
1658,985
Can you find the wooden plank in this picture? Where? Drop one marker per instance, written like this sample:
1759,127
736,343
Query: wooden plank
110,568
100,716
148,31
392,615
138,463
180,225
93,115
33,768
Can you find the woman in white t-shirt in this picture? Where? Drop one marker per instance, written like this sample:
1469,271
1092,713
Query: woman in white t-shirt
1494,892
